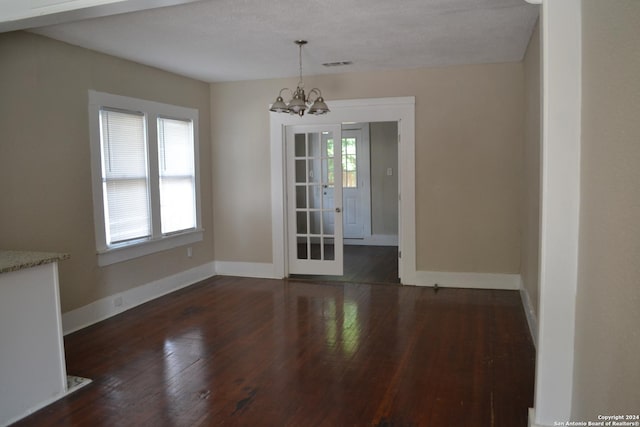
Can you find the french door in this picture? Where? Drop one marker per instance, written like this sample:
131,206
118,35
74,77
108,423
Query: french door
314,199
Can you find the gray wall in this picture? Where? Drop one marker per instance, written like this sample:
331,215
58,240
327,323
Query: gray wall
383,137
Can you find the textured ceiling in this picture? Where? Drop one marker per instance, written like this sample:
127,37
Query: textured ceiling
230,40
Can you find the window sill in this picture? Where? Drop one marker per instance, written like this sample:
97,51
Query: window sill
135,250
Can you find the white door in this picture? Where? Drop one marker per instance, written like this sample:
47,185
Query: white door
314,219
356,183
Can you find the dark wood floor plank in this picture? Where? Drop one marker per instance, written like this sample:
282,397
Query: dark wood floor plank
253,352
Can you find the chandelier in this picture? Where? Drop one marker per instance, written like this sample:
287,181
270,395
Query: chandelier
299,101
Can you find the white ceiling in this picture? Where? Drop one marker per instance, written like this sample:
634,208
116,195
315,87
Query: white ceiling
231,40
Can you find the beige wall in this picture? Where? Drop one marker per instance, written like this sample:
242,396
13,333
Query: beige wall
607,335
45,167
468,145
529,255
383,138
469,132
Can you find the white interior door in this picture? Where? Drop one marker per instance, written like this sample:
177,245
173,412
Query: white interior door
314,215
356,183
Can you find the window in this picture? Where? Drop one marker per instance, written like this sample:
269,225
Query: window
125,176
349,170
145,182
349,163
177,175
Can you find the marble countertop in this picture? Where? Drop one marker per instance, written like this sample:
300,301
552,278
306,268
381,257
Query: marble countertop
18,260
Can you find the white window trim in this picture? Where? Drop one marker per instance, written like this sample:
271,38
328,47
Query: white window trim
118,253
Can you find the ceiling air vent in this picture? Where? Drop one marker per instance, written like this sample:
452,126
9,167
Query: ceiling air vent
337,63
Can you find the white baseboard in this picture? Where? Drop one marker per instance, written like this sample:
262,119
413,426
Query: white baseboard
466,280
532,417
246,269
106,307
374,240
532,320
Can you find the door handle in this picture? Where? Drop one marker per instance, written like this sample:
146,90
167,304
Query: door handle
338,210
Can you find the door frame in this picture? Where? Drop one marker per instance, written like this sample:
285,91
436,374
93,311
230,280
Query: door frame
398,109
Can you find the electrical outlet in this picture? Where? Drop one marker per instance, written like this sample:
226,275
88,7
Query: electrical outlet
389,171
117,301
189,252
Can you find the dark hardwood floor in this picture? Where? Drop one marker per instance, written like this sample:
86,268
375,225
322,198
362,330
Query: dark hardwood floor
364,264
253,352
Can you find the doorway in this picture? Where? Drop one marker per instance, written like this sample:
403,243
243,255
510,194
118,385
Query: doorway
368,159
400,110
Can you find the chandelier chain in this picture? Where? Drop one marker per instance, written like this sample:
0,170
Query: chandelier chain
300,83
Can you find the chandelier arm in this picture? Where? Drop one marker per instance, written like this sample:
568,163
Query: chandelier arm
316,91
283,89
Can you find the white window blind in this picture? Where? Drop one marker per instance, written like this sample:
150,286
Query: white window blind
125,177
177,175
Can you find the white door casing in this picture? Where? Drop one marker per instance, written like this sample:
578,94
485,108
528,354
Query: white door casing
400,109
